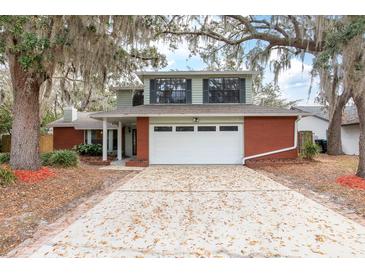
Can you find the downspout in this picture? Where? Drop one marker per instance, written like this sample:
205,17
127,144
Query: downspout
279,150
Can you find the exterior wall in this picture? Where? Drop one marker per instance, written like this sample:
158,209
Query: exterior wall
124,98
317,126
350,139
128,142
146,92
197,89
265,134
142,138
249,97
202,120
67,137
69,114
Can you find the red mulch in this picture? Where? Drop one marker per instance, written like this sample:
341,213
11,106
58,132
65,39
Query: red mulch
34,176
351,181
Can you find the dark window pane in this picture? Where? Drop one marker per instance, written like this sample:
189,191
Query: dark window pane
206,128
96,136
115,139
228,128
184,128
224,90
170,91
163,129
138,98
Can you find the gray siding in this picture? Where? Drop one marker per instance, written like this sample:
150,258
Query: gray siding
146,92
249,98
124,98
197,89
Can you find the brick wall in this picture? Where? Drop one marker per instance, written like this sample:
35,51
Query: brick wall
142,138
265,134
67,137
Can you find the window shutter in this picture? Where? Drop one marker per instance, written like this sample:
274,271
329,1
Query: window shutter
242,90
152,91
205,91
188,91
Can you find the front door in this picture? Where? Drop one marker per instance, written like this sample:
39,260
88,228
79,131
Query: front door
134,141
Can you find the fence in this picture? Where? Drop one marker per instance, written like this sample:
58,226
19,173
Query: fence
45,143
303,137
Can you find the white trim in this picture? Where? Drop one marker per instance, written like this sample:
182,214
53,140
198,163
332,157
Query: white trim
279,150
110,140
105,140
119,142
196,115
88,136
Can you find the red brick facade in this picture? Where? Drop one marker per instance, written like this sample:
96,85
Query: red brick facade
142,138
67,137
265,134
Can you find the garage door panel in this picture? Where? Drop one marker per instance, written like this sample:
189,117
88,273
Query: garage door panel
198,147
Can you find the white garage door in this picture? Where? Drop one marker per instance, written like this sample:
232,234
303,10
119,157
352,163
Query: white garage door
196,144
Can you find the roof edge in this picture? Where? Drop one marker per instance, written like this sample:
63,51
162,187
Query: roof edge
142,74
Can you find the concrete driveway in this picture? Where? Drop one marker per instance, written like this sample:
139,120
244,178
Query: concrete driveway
207,211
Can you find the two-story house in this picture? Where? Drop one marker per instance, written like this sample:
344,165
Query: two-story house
188,117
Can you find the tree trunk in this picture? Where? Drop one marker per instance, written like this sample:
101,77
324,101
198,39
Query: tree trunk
334,146
360,105
25,130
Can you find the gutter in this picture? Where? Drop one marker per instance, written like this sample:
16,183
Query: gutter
278,150
101,116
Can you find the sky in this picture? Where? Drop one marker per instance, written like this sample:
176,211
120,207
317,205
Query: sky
294,83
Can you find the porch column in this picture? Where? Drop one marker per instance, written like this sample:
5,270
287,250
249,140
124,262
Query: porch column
88,137
119,154
105,140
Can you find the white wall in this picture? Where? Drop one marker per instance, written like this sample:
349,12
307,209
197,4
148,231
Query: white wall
317,126
350,139
128,142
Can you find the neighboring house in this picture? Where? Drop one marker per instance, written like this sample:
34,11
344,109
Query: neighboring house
197,117
318,124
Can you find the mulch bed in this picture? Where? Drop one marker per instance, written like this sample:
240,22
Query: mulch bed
275,162
329,178
352,181
26,206
34,176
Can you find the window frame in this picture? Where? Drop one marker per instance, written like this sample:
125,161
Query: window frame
228,128
186,127
206,127
160,128
160,92
225,93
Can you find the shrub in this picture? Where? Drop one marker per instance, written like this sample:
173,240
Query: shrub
7,177
45,158
310,150
90,149
63,158
4,158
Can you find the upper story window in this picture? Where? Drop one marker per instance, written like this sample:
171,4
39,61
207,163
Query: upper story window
224,90
171,91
